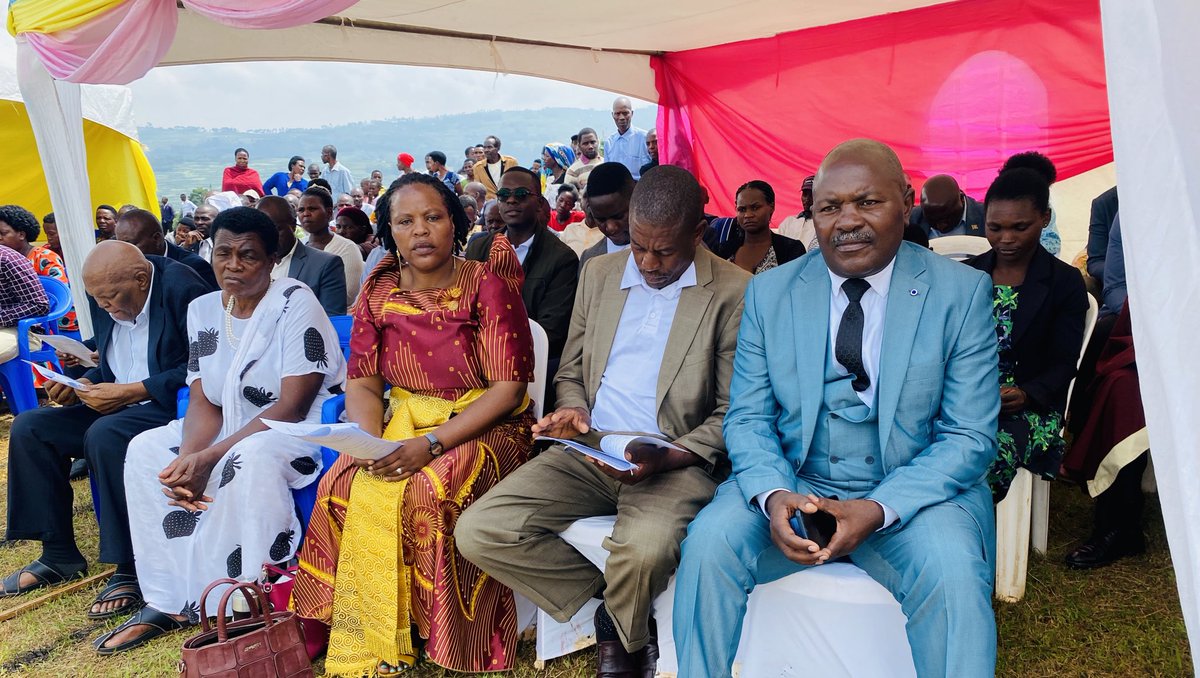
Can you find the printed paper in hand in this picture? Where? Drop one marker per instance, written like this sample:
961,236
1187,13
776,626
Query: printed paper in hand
70,347
57,378
346,438
617,461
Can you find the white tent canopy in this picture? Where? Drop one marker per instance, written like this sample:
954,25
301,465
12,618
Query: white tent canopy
1154,94
609,48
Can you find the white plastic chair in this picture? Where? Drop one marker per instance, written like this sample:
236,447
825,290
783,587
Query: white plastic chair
1023,518
959,247
541,353
814,622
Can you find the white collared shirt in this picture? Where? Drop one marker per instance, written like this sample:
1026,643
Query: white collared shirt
612,248
523,249
874,305
205,249
129,348
280,270
626,399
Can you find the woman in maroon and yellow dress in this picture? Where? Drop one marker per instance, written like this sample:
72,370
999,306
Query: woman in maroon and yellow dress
451,339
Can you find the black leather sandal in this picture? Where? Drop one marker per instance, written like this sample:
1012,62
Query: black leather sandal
120,587
159,624
44,576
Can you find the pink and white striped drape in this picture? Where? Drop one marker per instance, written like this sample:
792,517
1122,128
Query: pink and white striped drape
121,44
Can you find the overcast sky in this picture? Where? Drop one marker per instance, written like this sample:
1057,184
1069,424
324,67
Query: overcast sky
313,94
261,95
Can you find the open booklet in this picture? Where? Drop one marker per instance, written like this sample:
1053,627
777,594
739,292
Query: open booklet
609,446
346,438
57,378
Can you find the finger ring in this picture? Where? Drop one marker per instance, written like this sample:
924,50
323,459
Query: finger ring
399,471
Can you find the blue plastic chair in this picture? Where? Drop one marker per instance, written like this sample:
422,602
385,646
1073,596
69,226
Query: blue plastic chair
305,497
343,324
16,378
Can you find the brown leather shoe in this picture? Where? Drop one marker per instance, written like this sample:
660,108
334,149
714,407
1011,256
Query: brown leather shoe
614,661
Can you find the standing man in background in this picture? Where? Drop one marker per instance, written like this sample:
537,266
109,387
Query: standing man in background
339,178
487,171
186,207
628,145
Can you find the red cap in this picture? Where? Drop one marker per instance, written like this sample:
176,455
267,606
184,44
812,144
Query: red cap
405,159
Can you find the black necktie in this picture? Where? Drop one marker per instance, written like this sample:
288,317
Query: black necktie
848,347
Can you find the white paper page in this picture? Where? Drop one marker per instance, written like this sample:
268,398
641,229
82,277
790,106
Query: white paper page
57,378
618,462
70,347
615,444
346,438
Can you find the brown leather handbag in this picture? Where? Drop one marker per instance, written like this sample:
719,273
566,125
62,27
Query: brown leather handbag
265,645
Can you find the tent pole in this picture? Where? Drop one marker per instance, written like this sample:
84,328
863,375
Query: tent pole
56,115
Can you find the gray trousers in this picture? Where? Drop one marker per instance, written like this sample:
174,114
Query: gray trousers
512,534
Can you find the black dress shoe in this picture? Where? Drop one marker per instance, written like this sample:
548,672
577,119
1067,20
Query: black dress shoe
649,658
614,661
1103,549
79,469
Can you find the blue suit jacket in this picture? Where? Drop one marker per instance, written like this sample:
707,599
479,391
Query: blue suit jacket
938,397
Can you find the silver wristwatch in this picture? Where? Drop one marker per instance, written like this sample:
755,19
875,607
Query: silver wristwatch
435,445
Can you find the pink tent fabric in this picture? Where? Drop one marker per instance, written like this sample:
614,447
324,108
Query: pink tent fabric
124,43
953,88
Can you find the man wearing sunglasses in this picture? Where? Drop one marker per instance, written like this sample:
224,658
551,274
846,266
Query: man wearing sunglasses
551,267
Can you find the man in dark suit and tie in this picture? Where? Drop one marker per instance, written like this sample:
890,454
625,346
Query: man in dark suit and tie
139,314
864,386
140,229
946,210
551,267
324,273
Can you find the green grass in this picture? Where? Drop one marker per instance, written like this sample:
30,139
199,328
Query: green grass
1119,621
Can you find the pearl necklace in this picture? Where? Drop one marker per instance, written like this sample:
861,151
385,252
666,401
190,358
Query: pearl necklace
229,336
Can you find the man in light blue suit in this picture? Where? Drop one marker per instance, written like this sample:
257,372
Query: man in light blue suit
864,386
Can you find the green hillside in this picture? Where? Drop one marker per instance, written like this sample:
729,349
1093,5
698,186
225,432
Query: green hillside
189,157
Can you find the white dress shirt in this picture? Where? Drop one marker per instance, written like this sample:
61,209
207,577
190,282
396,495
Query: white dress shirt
205,249
280,270
626,399
612,248
874,305
523,249
129,348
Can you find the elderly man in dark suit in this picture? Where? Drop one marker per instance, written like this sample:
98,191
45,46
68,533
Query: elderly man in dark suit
323,272
551,267
140,229
946,210
139,313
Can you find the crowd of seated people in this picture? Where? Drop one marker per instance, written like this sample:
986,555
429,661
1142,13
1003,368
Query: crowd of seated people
932,384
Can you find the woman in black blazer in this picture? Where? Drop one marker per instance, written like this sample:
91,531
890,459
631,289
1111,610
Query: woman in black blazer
754,246
1039,304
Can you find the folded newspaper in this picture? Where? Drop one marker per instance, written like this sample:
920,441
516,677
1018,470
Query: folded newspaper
610,447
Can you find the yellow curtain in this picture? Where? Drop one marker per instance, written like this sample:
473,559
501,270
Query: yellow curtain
118,170
51,16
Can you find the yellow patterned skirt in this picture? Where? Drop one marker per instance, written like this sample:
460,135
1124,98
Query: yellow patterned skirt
379,557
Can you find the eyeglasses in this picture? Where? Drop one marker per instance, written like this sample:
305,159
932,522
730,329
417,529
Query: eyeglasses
518,193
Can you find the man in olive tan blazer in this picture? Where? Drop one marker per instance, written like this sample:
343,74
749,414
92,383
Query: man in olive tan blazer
649,350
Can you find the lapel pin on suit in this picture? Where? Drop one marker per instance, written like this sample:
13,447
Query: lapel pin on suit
913,292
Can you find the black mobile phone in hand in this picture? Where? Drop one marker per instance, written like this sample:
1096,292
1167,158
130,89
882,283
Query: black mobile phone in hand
816,527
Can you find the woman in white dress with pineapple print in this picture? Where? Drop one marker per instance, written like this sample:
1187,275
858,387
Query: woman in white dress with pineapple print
209,495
